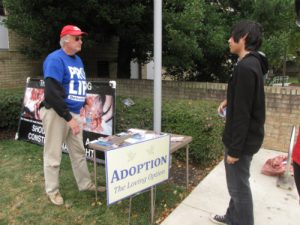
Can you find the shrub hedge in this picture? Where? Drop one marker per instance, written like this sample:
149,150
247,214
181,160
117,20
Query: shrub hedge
198,119
10,108
194,118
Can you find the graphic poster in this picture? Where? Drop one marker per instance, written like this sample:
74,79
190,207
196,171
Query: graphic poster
98,113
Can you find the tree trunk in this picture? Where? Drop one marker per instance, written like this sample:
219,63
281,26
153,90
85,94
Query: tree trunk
124,57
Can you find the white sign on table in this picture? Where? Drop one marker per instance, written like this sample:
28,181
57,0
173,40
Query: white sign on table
136,167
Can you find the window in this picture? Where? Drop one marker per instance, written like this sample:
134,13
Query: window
3,29
3,35
2,13
102,69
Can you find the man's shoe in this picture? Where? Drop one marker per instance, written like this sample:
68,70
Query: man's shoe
218,219
93,188
56,198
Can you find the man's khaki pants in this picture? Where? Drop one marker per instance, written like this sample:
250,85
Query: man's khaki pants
58,132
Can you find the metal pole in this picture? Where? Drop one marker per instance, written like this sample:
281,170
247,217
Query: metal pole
152,205
297,8
129,213
187,166
95,176
286,181
290,152
157,81
157,64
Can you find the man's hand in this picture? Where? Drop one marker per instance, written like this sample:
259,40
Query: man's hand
74,126
231,160
222,106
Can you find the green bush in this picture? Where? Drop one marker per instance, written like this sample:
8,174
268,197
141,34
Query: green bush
198,119
10,108
140,115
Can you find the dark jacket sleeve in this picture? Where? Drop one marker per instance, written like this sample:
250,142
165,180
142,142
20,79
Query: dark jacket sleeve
54,98
242,106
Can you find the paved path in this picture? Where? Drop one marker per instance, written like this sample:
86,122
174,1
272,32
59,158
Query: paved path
272,205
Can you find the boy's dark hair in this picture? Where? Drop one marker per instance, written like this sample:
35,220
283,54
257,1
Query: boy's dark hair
252,31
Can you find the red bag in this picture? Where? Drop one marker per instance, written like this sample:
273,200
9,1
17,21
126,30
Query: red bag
275,166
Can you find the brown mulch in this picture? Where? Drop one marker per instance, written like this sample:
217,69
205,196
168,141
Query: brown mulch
7,134
196,173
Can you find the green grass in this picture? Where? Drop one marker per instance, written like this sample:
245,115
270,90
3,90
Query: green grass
23,199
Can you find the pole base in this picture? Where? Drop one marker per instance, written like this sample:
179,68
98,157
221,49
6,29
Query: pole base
285,181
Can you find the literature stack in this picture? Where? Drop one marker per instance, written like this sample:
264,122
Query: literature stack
131,136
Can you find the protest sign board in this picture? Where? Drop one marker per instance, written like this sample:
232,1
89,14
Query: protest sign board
98,114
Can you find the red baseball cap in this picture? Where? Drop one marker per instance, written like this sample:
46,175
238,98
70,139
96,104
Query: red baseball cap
72,30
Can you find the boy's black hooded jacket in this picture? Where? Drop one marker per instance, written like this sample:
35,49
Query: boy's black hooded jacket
245,114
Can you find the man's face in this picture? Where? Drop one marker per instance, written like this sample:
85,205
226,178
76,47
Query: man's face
236,47
74,43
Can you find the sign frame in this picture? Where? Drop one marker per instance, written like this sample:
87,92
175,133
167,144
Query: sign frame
30,126
147,163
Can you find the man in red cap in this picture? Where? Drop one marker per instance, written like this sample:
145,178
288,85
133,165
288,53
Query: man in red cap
65,93
245,118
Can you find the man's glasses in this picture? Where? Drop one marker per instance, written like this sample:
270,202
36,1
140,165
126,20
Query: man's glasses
77,38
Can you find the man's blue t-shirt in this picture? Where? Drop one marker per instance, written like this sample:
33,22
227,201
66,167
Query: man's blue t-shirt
69,72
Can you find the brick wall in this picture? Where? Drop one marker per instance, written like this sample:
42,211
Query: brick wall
283,111
15,67
282,103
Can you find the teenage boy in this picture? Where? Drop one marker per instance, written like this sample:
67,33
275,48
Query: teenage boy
245,118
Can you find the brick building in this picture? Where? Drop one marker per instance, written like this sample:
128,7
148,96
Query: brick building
100,61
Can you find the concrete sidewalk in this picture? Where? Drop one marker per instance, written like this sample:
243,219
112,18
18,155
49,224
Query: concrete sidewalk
272,205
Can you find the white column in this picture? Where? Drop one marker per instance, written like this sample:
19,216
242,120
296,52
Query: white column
157,64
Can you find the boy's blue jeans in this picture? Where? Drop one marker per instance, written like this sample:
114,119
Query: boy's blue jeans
240,209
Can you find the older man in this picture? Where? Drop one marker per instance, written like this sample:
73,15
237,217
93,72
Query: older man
65,93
